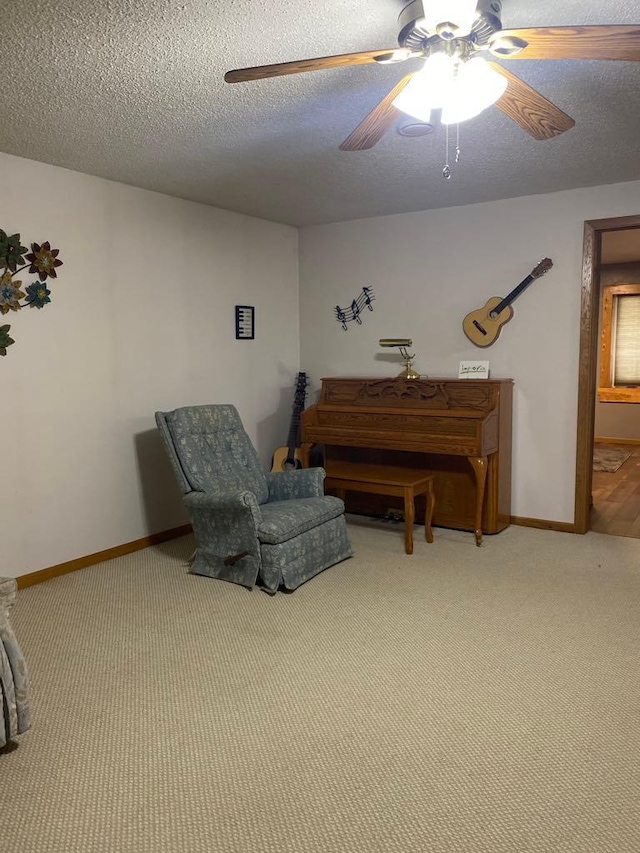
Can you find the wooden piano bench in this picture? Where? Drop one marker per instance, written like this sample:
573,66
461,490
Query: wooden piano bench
386,480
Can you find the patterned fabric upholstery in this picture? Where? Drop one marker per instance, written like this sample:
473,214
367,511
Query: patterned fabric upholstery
15,717
283,520
215,451
278,529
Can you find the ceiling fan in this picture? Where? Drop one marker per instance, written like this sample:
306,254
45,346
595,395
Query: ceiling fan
451,38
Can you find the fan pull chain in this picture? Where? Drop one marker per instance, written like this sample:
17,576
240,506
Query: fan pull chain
446,172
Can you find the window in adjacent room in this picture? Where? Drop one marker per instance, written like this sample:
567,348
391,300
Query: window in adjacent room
620,349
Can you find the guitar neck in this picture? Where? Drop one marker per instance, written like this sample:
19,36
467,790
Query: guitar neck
294,431
509,298
298,406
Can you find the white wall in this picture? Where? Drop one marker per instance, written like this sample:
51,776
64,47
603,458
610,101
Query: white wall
141,319
428,270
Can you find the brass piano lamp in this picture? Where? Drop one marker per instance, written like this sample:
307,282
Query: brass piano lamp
402,344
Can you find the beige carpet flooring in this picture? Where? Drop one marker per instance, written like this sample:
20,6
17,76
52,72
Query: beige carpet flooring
462,700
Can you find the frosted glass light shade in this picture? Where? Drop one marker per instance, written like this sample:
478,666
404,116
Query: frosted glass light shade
462,13
461,90
476,87
428,89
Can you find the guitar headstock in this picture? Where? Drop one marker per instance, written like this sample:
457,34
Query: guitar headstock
541,268
301,391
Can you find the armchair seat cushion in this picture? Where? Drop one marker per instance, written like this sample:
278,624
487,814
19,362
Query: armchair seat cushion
283,520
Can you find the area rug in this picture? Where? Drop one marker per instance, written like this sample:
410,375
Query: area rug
606,459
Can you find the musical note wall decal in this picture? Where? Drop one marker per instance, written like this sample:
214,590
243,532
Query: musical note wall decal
353,312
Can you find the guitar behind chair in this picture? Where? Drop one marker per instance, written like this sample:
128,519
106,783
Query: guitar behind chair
288,456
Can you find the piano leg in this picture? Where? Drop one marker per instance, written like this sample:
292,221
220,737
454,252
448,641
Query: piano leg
479,465
305,453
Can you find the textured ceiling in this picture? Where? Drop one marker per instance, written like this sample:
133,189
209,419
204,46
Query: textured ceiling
132,90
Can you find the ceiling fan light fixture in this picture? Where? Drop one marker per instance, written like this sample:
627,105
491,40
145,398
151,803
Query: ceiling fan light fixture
476,87
449,18
462,90
428,89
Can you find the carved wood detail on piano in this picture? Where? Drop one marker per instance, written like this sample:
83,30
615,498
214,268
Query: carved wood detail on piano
437,394
459,429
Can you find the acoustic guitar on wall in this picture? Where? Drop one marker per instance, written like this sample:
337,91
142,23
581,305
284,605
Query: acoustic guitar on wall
288,457
483,326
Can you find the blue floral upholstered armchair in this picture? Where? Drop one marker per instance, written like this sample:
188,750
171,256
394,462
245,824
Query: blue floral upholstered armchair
15,707
276,529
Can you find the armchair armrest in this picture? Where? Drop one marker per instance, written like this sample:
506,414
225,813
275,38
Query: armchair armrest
230,501
296,483
226,510
225,526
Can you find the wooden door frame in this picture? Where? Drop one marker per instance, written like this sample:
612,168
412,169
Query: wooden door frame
588,359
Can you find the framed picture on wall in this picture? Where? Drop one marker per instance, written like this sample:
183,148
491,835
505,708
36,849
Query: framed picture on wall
245,322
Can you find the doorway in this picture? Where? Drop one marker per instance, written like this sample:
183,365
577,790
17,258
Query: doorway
588,359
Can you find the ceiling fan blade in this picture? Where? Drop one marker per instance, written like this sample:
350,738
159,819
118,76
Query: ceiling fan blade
372,128
531,110
281,69
616,41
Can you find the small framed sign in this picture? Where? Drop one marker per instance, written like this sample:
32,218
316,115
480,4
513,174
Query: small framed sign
245,322
473,370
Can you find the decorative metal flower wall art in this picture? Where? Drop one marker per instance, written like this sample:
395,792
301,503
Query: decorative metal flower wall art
41,261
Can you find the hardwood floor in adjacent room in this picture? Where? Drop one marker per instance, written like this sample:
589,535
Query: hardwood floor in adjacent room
616,496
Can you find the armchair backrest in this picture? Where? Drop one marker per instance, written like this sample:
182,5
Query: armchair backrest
211,452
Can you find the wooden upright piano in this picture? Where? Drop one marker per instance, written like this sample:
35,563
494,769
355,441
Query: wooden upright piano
459,429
